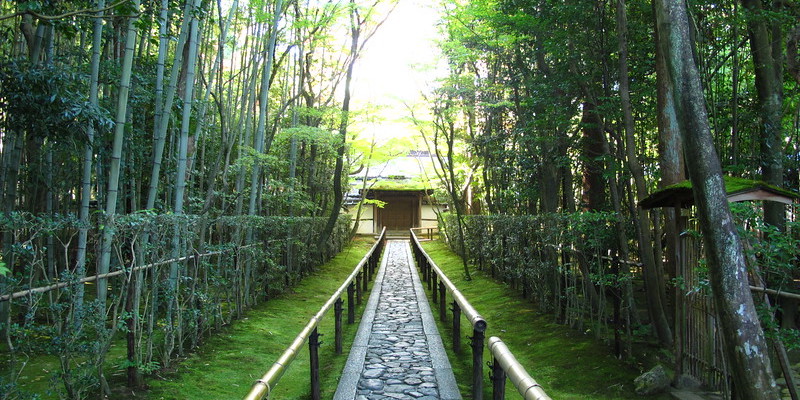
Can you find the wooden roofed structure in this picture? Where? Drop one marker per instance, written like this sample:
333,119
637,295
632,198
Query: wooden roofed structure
738,189
698,349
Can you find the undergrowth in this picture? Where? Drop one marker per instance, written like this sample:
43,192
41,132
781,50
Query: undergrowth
567,363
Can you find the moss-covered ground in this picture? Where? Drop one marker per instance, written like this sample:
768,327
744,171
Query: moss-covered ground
567,363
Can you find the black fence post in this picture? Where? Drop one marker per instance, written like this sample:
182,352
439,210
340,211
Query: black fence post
351,307
371,261
426,270
357,282
313,346
456,327
477,364
365,277
442,301
432,286
429,275
337,311
498,381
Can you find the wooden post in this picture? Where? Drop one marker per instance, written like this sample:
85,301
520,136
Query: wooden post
432,287
365,277
351,307
357,282
313,346
498,381
477,364
337,311
373,259
428,272
456,327
442,301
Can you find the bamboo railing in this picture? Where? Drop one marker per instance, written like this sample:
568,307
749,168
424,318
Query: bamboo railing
429,231
355,282
431,274
506,365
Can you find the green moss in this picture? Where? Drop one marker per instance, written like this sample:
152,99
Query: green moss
399,186
567,363
734,185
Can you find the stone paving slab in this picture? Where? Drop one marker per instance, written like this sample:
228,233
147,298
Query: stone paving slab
397,353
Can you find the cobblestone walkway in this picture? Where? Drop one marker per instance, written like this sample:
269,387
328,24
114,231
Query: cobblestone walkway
398,353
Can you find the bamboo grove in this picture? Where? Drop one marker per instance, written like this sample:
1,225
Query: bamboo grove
165,166
557,118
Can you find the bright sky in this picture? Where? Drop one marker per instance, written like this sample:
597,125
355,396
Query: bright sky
397,65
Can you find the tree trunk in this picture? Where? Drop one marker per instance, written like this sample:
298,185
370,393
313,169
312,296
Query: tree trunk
766,41
593,197
745,347
653,275
670,160
338,190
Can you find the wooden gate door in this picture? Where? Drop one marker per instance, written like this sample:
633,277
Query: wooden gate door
398,213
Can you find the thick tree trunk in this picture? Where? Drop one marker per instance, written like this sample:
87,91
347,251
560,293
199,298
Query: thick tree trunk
593,197
670,159
745,346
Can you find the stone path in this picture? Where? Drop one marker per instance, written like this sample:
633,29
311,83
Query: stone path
397,353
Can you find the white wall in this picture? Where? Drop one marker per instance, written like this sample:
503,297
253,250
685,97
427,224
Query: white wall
367,223
429,216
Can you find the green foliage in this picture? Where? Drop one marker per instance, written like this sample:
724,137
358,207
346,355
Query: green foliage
523,249
48,101
776,253
376,202
3,269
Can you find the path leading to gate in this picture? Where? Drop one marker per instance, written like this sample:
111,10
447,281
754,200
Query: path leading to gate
397,353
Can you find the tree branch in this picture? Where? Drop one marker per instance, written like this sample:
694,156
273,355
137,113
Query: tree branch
78,13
